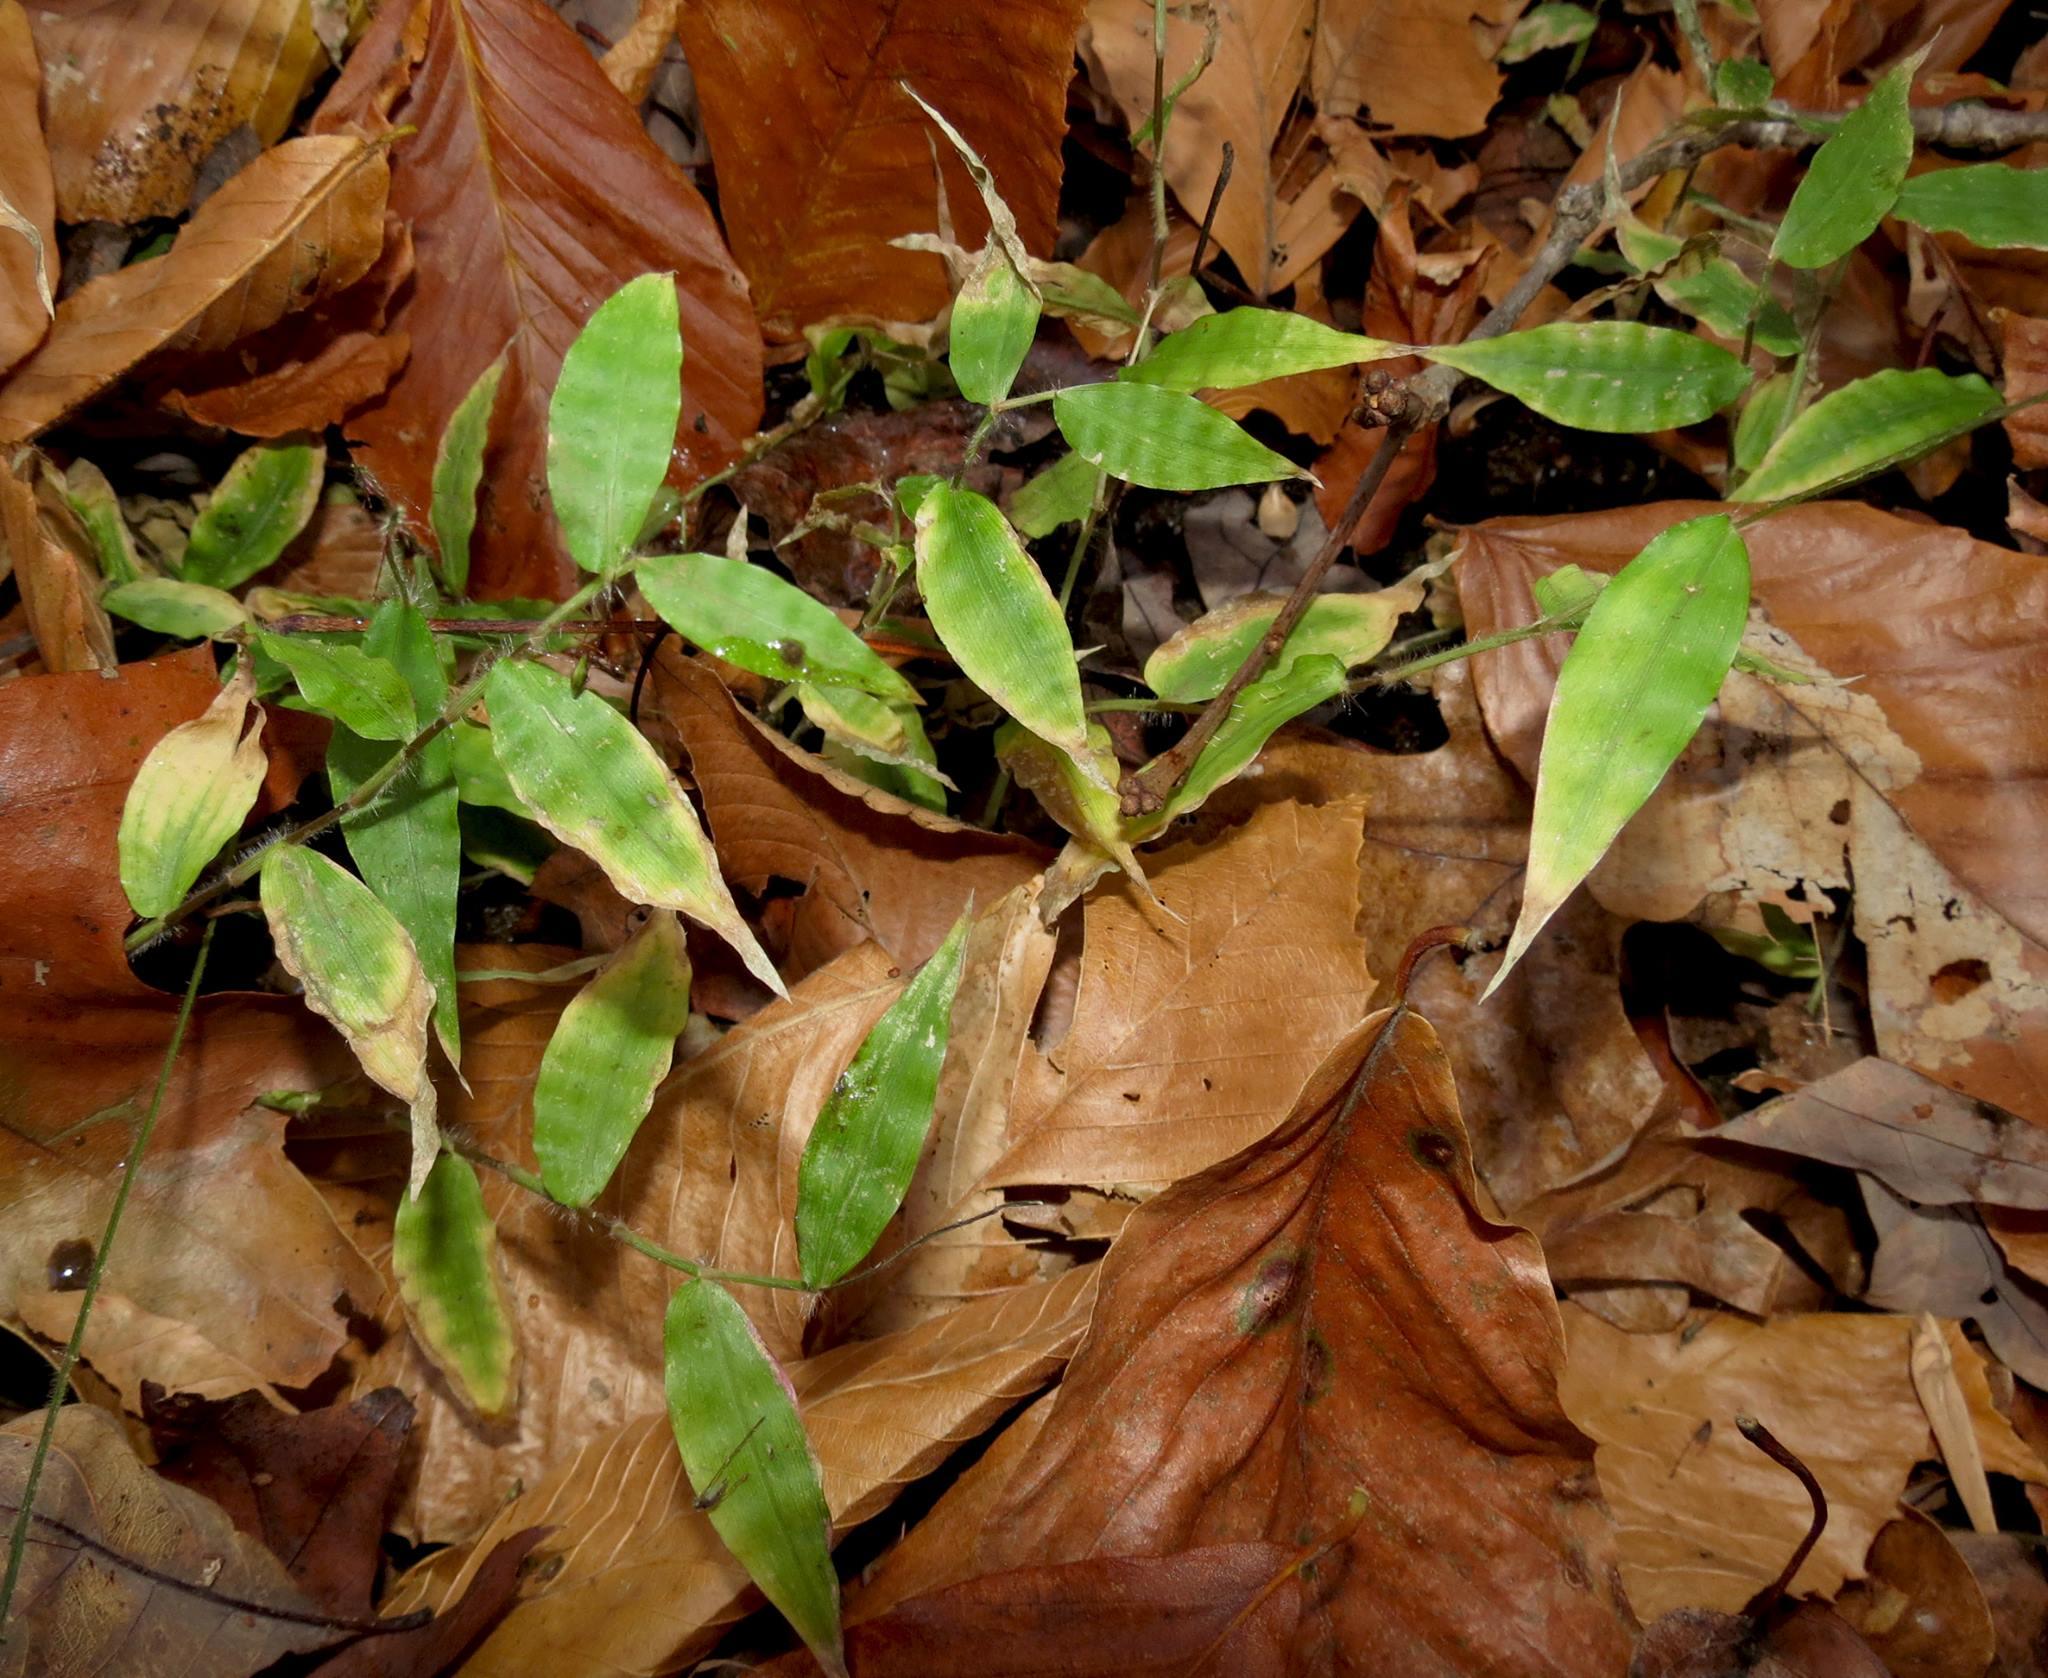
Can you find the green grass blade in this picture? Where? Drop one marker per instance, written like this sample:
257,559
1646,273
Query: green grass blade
444,1252
1163,439
1996,205
1199,660
1875,422
349,684
1854,179
189,798
260,505
744,1448
593,782
995,317
1633,689
1605,375
458,470
612,420
864,1149
1245,346
611,1047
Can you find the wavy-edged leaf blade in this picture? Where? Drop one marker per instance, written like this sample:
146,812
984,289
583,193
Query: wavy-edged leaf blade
1163,439
444,1253
612,1045
1867,425
1604,375
1854,179
1649,661
189,798
458,470
1245,346
264,500
1996,205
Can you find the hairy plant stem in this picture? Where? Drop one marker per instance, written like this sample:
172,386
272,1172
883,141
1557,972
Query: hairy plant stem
1575,216
60,1380
627,1236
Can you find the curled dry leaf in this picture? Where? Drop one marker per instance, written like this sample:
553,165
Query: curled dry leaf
1704,1518
59,593
514,252
1918,1137
303,220
1366,56
1242,99
246,1299
131,132
1196,1026
1324,1343
28,228
122,1565
1918,1605
872,866
823,158
880,1413
1905,780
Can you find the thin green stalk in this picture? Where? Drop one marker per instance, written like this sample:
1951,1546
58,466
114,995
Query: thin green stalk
1451,655
60,1381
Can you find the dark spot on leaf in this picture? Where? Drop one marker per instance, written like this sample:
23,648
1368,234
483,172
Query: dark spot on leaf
69,1262
1317,1367
1433,1148
1270,1296
1839,815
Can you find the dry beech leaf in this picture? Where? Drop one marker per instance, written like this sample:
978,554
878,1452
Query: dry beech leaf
59,595
1243,98
644,1584
1815,45
1941,1259
514,251
1219,1607
1920,1138
1551,1076
1904,780
872,866
1704,1518
634,58
1919,1607
131,130
1324,1343
28,275
823,158
1367,57
1196,1026
98,1601
302,220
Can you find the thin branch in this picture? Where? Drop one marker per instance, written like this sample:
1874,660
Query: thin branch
60,1380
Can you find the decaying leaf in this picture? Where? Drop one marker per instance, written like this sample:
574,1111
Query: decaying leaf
122,1563
59,594
1704,1518
28,230
1366,53
131,131
514,252
1905,779
1323,1342
823,157
303,220
1256,939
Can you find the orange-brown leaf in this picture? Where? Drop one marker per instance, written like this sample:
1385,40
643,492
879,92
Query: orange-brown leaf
25,190
1324,1343
533,193
823,159
302,220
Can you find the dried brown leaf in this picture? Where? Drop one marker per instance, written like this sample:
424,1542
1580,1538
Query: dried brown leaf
1906,780
823,158
1918,1605
59,593
1420,68
28,277
137,102
872,866
1243,98
644,1584
515,248
304,219
1323,1342
129,1576
1197,1024
1705,1519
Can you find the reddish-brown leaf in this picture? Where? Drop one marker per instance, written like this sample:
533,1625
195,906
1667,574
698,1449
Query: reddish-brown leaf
533,193
314,1487
439,1648
1323,1343
823,158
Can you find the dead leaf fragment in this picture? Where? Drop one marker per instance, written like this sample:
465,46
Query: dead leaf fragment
1918,1606
823,158
123,1567
1321,1342
1196,1028
514,250
304,219
1367,55
28,229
